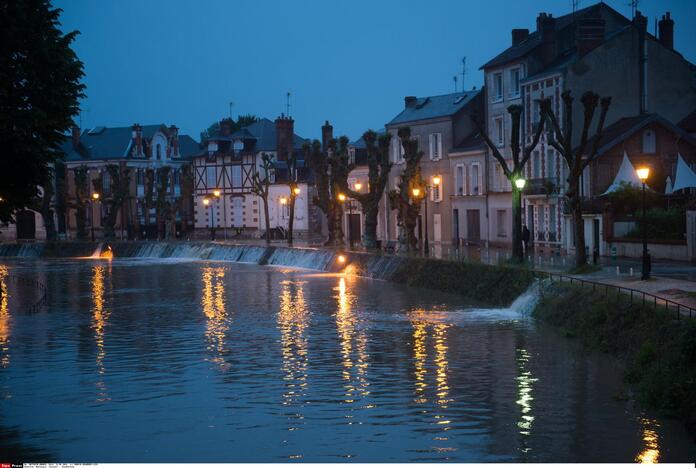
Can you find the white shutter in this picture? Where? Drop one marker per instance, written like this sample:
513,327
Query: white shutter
431,145
439,145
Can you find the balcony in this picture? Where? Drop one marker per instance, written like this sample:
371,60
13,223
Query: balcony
544,186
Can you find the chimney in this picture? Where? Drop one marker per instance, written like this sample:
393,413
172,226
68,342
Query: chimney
137,139
666,28
519,35
410,101
285,132
546,27
589,33
326,135
174,132
75,136
641,23
226,126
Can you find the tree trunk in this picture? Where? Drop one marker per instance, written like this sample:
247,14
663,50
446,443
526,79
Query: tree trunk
47,213
517,254
370,226
291,212
268,222
579,226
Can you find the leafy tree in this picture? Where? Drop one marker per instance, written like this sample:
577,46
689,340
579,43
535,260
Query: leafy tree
260,185
516,171
331,169
40,81
241,122
378,174
402,198
119,190
579,158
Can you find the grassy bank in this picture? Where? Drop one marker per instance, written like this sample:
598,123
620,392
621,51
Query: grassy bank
494,285
659,351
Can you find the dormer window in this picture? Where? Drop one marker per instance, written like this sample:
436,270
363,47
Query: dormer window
212,147
159,151
648,141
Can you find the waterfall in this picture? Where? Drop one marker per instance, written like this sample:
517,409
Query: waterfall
97,252
21,250
520,309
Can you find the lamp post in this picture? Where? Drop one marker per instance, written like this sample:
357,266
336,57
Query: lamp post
283,203
217,194
95,199
428,189
643,174
206,202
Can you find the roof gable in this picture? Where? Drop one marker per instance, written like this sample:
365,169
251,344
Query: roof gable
433,107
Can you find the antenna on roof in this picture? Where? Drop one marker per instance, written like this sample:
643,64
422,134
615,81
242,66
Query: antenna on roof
231,104
575,5
634,7
80,116
287,104
463,72
455,83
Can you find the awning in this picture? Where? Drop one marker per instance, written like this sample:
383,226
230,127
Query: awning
685,177
626,175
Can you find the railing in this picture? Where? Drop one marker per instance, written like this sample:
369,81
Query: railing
32,283
634,294
542,186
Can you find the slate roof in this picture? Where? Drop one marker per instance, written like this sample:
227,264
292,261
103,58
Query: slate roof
628,126
473,142
688,123
110,143
533,41
360,142
433,107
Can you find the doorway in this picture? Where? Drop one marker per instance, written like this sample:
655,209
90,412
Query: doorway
473,225
455,225
354,228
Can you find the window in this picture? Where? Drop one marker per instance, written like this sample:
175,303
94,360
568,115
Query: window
398,150
351,155
436,191
459,180
140,177
536,161
550,164
552,219
159,151
498,177
106,182
497,86
211,179
236,176
474,188
500,221
499,130
435,146
648,141
515,82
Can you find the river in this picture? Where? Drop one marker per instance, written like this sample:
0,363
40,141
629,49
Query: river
144,360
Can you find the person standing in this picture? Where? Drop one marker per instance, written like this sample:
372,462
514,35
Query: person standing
525,239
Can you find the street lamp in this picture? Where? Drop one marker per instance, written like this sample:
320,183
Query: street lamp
95,198
520,183
341,197
436,180
358,186
643,174
296,191
206,202
217,193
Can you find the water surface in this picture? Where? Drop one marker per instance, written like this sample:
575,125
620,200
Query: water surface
152,360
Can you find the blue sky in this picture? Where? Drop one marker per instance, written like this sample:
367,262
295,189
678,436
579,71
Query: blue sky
350,62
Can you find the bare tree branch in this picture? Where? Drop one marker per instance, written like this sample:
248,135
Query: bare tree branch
496,154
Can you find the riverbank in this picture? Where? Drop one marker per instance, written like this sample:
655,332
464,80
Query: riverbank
659,352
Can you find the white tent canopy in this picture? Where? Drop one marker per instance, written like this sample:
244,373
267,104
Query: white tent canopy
685,177
668,186
626,175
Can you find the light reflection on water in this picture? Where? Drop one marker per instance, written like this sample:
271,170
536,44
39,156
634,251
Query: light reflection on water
304,366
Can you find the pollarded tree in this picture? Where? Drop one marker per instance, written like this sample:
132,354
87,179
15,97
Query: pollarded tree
515,172
260,185
378,174
40,82
331,169
408,195
294,192
119,189
579,158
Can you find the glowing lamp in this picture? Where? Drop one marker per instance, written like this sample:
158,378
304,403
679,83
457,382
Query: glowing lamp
216,192
436,181
341,197
416,192
643,173
520,183
283,200
341,259
206,202
358,186
95,196
296,190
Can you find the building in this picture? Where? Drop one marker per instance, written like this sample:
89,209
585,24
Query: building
439,124
224,172
593,49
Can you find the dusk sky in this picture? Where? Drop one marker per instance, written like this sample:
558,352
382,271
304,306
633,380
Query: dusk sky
182,62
